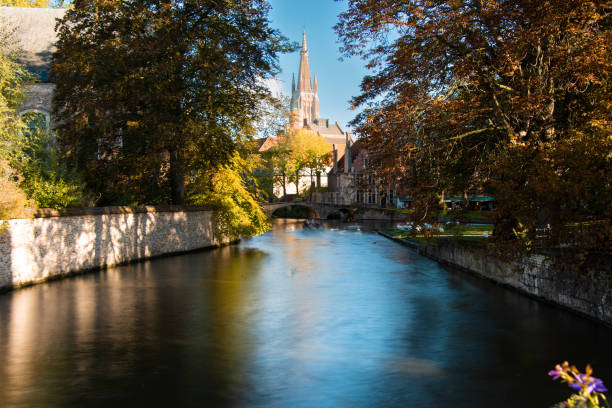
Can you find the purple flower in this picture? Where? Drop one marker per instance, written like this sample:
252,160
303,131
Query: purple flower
588,384
554,374
592,384
584,383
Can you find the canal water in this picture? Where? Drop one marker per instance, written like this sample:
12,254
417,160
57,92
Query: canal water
336,317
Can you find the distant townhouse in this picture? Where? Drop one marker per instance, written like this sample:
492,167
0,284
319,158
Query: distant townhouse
351,182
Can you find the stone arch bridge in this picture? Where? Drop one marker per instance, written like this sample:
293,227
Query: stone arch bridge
315,210
322,211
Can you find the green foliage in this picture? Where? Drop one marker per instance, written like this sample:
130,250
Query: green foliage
31,173
232,191
13,76
149,92
13,200
43,176
309,190
54,192
428,233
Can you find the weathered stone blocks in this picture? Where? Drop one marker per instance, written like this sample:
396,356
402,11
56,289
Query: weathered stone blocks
589,294
37,249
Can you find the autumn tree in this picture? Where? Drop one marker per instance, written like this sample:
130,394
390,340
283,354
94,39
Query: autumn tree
13,77
298,151
310,152
512,96
232,190
149,92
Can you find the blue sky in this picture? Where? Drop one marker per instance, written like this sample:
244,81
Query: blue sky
338,81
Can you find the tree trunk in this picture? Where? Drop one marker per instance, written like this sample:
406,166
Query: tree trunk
177,176
284,187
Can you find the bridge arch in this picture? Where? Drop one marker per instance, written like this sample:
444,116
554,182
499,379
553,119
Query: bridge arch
313,210
339,213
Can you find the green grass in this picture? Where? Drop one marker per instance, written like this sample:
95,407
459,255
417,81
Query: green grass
460,232
466,214
451,214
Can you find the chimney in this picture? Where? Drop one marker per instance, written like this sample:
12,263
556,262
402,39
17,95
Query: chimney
347,154
335,158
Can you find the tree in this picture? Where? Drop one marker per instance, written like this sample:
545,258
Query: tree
504,95
232,190
309,151
298,150
150,91
273,114
42,175
13,77
30,171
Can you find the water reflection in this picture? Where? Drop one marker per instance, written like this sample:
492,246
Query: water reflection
337,317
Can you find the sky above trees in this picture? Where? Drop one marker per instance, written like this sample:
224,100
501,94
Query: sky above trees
338,81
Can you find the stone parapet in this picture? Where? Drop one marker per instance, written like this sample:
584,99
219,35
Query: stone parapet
59,243
588,293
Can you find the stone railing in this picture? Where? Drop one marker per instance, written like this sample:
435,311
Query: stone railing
56,243
331,197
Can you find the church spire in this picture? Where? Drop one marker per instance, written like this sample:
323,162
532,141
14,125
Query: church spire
304,48
304,75
315,87
292,84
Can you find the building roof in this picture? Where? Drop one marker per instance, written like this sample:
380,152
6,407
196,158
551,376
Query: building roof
333,139
323,128
266,143
34,34
356,149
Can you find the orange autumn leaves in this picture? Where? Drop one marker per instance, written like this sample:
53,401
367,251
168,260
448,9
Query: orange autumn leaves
512,97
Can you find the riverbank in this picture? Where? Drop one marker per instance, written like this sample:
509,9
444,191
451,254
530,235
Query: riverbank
55,244
588,294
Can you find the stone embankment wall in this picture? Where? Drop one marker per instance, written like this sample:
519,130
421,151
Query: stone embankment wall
54,244
588,293
380,215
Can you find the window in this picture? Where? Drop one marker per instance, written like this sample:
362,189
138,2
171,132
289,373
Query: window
371,196
360,196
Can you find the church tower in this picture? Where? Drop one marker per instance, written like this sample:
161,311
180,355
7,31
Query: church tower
304,98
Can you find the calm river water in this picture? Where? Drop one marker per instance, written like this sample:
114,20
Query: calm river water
336,317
